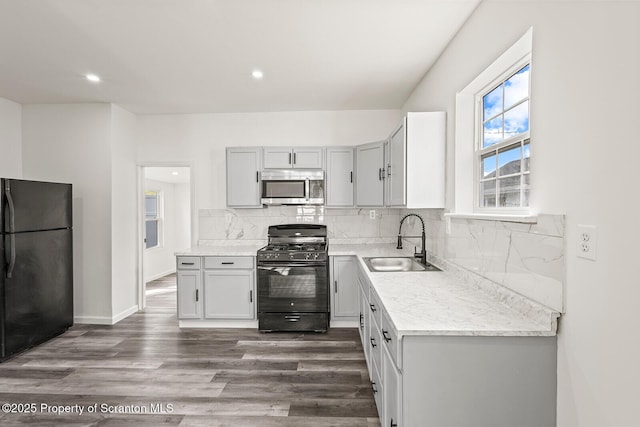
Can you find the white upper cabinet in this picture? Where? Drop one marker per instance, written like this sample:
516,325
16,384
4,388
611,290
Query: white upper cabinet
415,166
243,177
293,157
397,168
370,174
339,177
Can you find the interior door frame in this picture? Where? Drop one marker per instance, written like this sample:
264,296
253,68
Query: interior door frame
140,168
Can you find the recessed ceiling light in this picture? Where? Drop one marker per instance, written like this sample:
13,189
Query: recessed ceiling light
174,173
257,74
92,78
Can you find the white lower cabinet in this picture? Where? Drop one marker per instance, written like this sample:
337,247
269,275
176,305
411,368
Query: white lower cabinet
456,380
344,295
216,288
189,293
228,294
392,380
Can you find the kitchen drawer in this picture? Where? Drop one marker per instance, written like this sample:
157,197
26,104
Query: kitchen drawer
390,339
375,306
376,386
375,344
188,263
228,262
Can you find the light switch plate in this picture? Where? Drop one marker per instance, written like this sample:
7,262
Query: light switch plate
587,242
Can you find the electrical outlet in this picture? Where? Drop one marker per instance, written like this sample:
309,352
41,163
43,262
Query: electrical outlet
587,242
372,214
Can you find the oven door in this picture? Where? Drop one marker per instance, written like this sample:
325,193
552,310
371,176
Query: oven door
286,287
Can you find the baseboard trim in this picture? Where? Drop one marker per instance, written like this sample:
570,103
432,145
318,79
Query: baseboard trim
92,320
157,276
105,320
124,314
196,323
343,323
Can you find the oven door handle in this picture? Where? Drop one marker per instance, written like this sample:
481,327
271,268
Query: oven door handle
269,265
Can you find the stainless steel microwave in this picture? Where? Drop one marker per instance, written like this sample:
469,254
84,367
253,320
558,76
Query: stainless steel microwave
292,187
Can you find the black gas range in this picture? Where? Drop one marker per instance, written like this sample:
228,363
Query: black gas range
293,279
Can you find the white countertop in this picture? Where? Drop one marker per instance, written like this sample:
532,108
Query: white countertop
440,303
426,303
230,248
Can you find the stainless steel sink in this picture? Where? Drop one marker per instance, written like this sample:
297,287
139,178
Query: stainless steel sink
397,264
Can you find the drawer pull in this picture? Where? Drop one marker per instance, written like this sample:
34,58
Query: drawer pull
373,342
227,263
384,335
373,307
292,318
187,263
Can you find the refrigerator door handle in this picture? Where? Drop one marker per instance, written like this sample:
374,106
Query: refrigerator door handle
11,259
12,210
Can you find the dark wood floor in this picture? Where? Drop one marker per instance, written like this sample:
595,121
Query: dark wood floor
188,377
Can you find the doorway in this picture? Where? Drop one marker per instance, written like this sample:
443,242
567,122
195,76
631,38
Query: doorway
165,218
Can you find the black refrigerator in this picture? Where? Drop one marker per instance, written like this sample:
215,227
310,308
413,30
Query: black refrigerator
36,285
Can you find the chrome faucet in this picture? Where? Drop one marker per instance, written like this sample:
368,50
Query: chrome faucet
422,255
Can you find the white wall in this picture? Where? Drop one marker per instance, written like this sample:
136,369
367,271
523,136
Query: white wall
202,138
71,143
10,139
124,224
161,261
584,110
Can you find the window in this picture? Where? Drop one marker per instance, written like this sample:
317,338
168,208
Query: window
503,144
152,219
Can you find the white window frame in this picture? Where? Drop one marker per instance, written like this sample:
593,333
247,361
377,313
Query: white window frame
480,151
466,129
159,218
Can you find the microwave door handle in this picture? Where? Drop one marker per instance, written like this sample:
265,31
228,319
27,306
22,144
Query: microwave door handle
307,189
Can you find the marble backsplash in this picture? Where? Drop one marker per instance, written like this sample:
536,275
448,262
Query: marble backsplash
526,258
252,224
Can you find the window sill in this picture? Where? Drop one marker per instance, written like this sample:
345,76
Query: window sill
525,219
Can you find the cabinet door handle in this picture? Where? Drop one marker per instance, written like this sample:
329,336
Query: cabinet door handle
251,296
227,263
294,158
383,174
373,307
373,387
379,174
351,176
257,176
393,424
361,321
289,158
335,286
384,335
373,342
389,169
197,295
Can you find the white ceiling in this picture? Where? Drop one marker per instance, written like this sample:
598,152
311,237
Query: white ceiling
190,56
